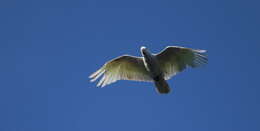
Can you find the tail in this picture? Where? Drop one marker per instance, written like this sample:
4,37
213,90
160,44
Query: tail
162,86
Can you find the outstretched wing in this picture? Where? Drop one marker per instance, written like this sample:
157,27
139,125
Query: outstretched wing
122,68
174,59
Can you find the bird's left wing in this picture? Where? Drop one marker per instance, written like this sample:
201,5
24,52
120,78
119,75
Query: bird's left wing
122,68
174,59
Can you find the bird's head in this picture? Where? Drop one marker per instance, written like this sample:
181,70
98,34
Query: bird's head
145,51
143,47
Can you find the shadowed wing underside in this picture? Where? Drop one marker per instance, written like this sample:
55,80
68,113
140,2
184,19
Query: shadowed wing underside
122,68
174,59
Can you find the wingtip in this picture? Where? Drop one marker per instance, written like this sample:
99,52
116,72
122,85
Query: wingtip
201,58
90,76
201,51
92,80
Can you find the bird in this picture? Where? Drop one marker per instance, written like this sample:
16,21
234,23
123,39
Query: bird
156,68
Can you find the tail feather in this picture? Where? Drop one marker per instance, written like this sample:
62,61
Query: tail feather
162,86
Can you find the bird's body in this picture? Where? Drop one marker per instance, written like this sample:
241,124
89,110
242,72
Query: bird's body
150,62
152,68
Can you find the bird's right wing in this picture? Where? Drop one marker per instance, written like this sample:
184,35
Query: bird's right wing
174,59
122,68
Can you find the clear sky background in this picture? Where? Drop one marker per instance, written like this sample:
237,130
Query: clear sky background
49,48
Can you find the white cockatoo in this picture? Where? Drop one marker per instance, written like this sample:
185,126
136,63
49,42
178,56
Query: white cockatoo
155,68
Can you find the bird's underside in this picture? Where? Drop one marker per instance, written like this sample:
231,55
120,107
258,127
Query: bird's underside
150,68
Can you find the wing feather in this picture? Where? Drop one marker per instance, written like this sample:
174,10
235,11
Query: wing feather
122,68
174,59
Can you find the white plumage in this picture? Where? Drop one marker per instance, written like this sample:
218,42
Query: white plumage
150,68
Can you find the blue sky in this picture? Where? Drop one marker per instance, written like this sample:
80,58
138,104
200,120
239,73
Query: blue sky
49,48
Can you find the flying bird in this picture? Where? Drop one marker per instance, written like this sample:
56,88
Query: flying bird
150,67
